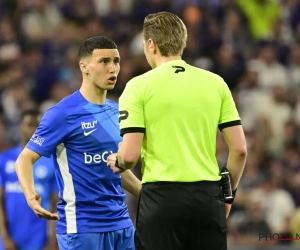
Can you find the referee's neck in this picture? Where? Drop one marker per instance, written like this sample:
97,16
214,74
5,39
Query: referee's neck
162,59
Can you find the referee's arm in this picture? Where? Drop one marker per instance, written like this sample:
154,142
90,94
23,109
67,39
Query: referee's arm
132,125
235,139
231,127
130,150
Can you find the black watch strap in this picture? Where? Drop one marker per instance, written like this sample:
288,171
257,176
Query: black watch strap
117,164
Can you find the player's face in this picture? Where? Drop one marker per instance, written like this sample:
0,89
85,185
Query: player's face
103,68
28,126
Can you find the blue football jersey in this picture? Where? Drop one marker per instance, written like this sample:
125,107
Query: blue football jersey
81,135
25,228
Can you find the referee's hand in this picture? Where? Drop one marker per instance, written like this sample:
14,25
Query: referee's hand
111,162
227,209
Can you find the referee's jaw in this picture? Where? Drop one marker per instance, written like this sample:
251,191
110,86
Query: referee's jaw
149,51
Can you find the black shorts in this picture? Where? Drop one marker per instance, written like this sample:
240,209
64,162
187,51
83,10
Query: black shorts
181,216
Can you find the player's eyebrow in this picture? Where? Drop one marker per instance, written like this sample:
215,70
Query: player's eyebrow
109,58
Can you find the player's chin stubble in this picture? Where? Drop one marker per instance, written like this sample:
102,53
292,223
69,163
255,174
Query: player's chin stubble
104,86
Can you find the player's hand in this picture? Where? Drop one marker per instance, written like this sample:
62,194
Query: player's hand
8,243
227,209
35,204
111,162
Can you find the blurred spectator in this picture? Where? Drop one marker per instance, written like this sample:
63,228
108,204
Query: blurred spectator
229,66
41,21
261,15
271,73
10,49
295,225
294,67
104,7
251,223
58,91
236,34
251,97
273,115
277,205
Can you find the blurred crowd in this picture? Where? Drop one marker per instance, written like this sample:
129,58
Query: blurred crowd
253,44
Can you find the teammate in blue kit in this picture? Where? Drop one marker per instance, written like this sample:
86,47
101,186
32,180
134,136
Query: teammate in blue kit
20,228
81,131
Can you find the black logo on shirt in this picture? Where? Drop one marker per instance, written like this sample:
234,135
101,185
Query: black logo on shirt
123,115
178,69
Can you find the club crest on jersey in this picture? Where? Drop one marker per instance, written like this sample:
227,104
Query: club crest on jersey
86,125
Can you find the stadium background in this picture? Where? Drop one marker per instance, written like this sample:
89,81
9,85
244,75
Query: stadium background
253,44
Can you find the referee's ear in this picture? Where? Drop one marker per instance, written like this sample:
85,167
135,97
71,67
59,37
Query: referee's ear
152,46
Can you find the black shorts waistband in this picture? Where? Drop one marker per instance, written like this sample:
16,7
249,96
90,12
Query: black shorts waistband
196,183
203,185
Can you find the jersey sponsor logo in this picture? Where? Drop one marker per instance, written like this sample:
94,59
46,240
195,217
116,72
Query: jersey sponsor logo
97,158
10,167
123,115
88,125
179,69
37,139
87,133
15,187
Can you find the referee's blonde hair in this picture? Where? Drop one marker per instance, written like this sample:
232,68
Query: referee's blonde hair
168,32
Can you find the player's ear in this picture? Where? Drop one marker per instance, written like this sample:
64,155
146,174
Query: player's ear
83,67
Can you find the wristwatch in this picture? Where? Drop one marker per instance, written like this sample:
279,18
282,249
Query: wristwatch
117,165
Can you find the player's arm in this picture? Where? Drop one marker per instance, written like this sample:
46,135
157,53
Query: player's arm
24,165
6,238
131,183
51,132
132,125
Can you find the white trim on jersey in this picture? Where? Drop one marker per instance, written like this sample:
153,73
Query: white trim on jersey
68,193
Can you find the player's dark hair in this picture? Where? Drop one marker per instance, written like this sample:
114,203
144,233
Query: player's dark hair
96,42
30,112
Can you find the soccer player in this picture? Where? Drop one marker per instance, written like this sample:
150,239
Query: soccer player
81,131
173,113
20,228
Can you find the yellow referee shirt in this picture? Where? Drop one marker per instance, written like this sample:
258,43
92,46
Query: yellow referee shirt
179,108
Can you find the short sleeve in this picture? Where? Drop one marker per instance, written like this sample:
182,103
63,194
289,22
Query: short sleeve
229,115
51,132
131,110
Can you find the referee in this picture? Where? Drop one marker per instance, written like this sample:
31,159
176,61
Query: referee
173,113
